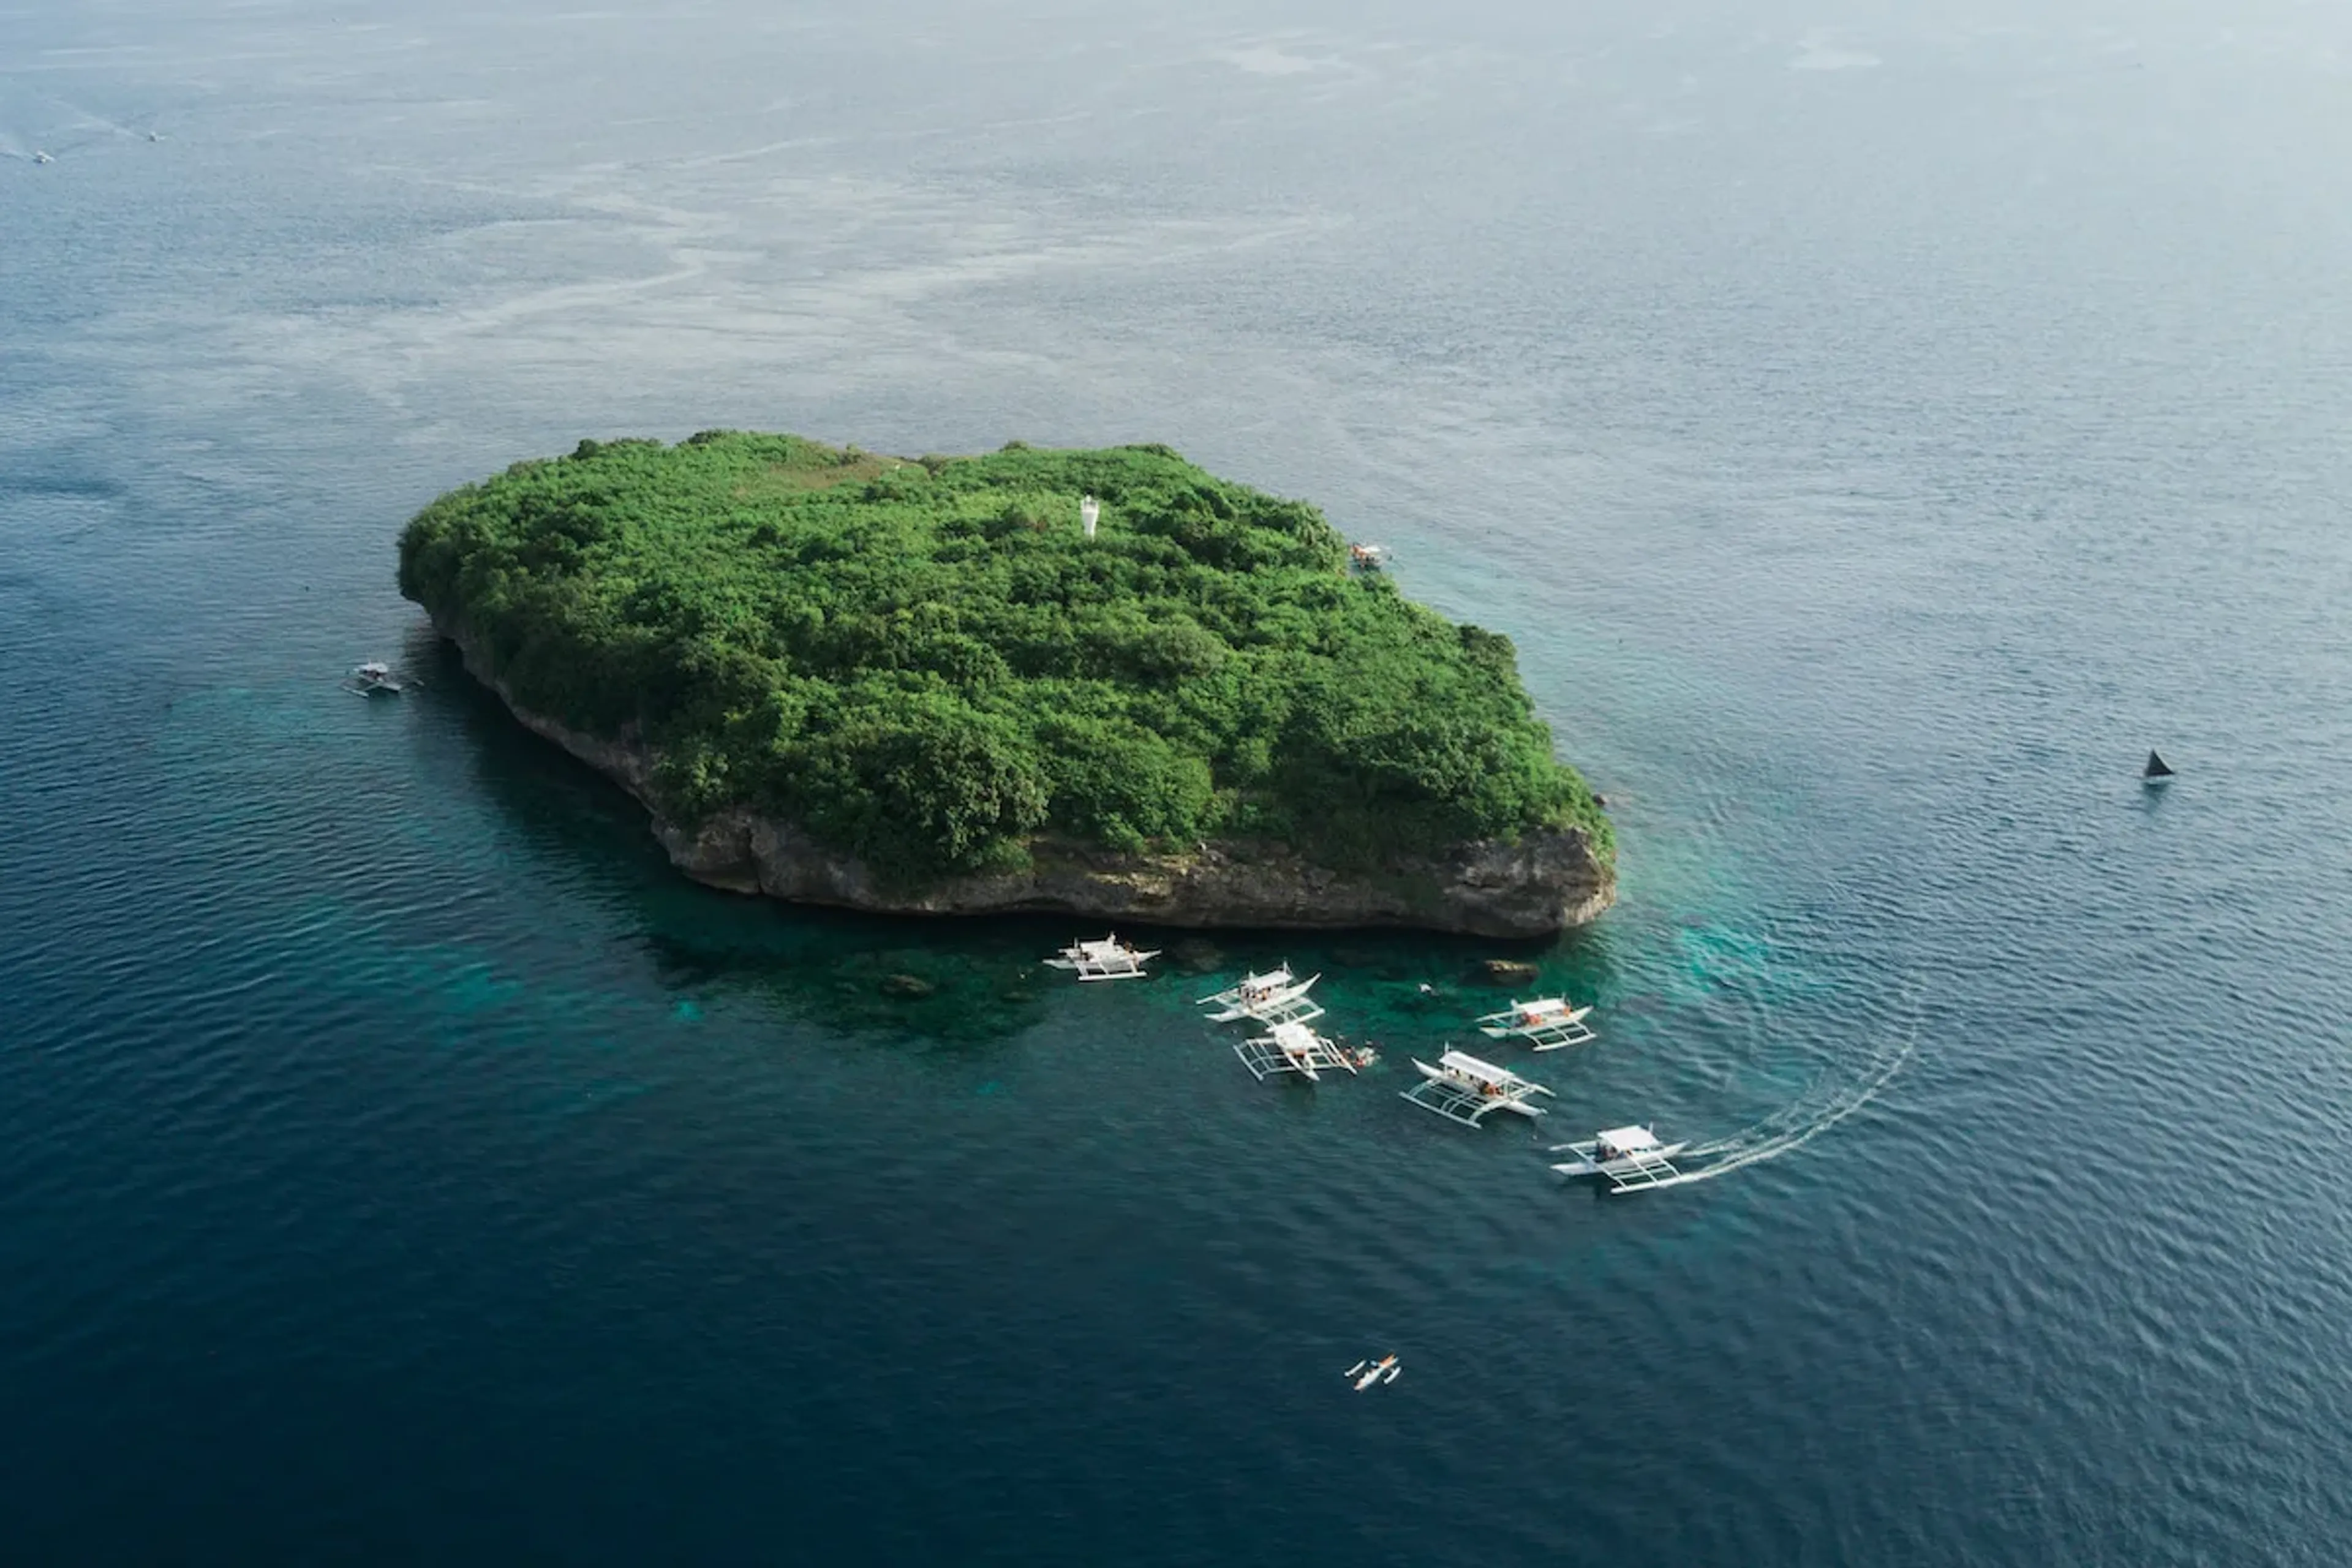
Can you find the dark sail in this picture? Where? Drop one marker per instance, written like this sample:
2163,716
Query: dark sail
2156,768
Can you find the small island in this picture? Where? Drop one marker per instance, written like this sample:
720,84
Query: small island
1105,683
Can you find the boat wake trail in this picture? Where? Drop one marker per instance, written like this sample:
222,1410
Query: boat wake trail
1795,1125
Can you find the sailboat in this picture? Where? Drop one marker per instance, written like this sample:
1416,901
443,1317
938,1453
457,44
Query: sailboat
2157,771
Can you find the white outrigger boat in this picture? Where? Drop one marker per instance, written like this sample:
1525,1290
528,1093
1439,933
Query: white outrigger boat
1630,1157
1294,1047
370,677
1368,1372
1368,557
1276,997
1463,1089
1109,959
1547,1023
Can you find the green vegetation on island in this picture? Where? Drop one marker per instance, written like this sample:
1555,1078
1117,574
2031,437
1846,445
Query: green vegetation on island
927,664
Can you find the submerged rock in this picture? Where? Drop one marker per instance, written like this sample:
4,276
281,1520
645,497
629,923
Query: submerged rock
907,985
1508,972
1194,956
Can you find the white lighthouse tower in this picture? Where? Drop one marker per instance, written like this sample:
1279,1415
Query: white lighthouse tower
1090,512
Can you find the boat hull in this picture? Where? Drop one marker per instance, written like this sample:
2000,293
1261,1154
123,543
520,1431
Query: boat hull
1584,1164
1548,1025
1127,964
1232,1006
1471,1090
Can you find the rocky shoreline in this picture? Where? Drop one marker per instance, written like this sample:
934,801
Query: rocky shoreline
1535,886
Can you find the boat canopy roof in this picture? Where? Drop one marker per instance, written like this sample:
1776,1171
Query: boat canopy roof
1471,1067
1293,1034
1630,1140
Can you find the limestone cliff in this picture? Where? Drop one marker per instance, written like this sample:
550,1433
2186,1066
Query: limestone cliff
1536,886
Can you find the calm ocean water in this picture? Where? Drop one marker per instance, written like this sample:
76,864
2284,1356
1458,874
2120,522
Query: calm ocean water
1878,426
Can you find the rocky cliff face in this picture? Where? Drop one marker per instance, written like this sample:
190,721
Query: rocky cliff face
1533,888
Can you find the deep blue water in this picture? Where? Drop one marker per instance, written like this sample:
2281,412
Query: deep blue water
1877,426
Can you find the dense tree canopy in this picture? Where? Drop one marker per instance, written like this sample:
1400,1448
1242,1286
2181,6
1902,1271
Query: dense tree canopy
925,663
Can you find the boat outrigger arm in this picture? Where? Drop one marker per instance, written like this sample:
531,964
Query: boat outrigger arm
1463,1089
372,678
1629,1158
1548,1024
1294,1047
1277,996
1109,959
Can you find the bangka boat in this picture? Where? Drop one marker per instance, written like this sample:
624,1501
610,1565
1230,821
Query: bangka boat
1546,1024
1463,1089
1628,1158
1368,1372
1294,1047
1368,557
1109,959
1276,997
370,679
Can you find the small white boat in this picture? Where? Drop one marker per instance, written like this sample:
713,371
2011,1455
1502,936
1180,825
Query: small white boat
1368,557
1276,997
41,157
1463,1089
370,679
1548,1023
1294,1047
1627,1157
1367,1373
1109,959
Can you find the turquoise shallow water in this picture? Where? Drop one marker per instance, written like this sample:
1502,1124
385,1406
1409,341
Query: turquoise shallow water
1876,432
